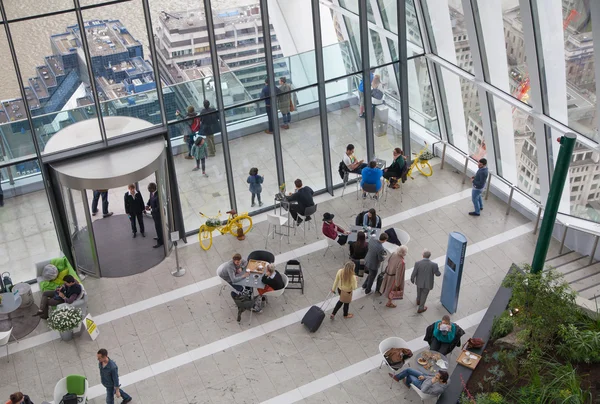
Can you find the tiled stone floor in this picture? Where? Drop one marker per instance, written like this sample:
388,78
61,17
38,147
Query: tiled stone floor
186,321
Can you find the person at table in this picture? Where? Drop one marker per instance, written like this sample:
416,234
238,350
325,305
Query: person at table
273,281
371,175
233,271
345,283
375,256
443,335
67,293
352,164
303,196
434,385
395,170
371,219
332,230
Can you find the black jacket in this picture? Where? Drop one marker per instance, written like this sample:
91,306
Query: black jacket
358,253
276,283
455,342
154,204
304,197
211,123
134,205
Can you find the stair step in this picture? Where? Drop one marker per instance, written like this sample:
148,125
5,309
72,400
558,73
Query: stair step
592,278
571,267
590,293
561,259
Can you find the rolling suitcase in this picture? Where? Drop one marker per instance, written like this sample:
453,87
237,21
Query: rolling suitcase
314,316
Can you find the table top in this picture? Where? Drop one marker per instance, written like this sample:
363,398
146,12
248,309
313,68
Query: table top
10,303
355,229
252,281
253,266
433,369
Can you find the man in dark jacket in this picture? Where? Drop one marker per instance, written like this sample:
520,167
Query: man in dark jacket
134,207
265,93
154,205
478,184
211,124
303,196
67,293
109,377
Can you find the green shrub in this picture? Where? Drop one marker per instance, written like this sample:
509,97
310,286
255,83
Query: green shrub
579,345
483,398
502,326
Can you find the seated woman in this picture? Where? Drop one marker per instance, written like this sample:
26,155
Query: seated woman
371,219
273,281
443,335
333,231
358,251
434,385
371,175
394,171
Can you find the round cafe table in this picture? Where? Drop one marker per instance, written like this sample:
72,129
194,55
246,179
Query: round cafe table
434,368
10,303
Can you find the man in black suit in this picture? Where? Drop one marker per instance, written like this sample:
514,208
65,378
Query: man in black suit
154,205
134,207
303,198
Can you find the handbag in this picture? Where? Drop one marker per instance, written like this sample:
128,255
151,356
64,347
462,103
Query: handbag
474,343
292,107
345,297
69,398
396,293
377,93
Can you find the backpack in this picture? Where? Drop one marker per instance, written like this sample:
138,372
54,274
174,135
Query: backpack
69,399
196,123
342,169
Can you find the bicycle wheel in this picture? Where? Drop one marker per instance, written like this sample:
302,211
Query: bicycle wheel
425,168
205,237
243,222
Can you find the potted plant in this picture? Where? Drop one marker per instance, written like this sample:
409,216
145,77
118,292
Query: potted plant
64,320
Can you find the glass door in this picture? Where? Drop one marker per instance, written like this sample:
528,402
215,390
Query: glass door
164,196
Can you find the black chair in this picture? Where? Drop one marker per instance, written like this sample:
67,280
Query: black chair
293,270
262,255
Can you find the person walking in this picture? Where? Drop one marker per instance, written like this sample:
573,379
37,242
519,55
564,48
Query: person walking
358,252
392,286
345,283
422,277
376,93
255,186
373,259
134,207
284,101
194,127
104,194
479,181
211,124
199,151
361,95
154,205
109,377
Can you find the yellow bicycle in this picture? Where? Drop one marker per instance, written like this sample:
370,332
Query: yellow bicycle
237,225
420,163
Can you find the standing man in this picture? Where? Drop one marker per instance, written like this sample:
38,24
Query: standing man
478,184
134,207
266,94
154,205
211,124
104,194
284,102
374,258
1,192
109,377
422,277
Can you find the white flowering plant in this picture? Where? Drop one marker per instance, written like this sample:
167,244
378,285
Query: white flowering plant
65,318
426,155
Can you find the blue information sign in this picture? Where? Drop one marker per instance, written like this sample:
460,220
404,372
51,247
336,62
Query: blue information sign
453,267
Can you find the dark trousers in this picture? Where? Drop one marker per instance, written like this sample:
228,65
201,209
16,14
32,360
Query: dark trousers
140,219
339,304
358,169
287,118
255,196
48,300
295,209
442,347
95,200
190,144
270,118
391,174
110,395
1,195
368,283
158,227
203,161
342,239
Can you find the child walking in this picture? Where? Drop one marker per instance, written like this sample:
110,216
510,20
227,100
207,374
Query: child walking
199,152
255,188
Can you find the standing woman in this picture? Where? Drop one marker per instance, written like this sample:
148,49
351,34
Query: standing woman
393,281
345,282
358,251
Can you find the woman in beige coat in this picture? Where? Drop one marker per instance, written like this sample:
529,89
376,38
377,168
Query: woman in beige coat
394,275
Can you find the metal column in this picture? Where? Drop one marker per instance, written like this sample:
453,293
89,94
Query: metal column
403,77
316,18
214,58
366,74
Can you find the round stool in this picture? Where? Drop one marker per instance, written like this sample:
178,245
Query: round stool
24,290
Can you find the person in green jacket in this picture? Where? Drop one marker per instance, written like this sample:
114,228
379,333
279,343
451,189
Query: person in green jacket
394,171
199,152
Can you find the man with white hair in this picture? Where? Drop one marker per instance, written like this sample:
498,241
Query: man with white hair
422,277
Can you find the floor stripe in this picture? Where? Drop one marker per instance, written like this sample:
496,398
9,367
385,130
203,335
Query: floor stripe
134,308
359,368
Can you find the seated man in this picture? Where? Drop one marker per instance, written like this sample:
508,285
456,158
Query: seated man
333,231
303,196
434,385
353,165
233,271
67,293
371,175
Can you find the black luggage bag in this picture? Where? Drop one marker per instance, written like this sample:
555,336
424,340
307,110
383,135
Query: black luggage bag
314,316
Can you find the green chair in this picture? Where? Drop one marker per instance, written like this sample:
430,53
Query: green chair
73,384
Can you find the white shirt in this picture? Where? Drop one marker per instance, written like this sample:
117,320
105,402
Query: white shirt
349,160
